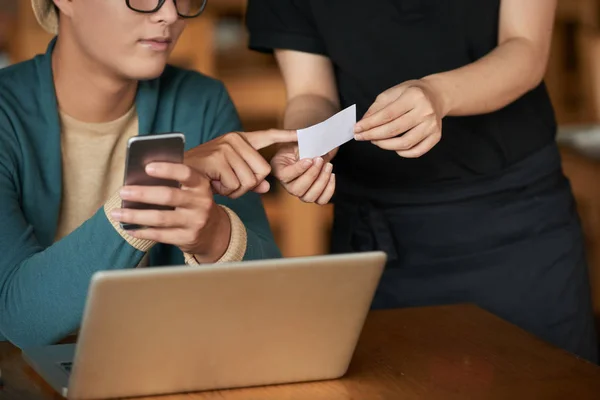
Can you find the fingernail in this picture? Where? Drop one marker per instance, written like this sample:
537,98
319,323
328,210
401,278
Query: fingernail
358,129
307,163
150,168
329,167
116,214
319,161
358,137
124,192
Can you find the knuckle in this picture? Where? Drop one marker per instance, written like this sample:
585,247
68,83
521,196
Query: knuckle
288,188
214,158
382,98
188,173
249,182
227,147
229,185
221,146
170,196
432,122
263,170
223,190
190,237
402,145
388,115
313,173
393,132
417,93
126,215
235,138
230,136
295,192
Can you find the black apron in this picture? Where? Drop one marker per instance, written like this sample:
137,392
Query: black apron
512,245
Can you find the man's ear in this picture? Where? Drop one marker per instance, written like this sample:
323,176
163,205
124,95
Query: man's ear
64,7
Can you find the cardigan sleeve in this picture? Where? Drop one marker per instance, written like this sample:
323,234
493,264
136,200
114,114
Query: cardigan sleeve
43,289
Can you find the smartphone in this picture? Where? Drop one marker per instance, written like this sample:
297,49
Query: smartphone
143,150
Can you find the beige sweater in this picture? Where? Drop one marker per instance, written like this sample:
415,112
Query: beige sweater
93,157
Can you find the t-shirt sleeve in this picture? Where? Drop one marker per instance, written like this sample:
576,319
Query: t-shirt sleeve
282,24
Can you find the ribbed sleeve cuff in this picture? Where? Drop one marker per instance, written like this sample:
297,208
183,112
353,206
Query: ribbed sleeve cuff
140,244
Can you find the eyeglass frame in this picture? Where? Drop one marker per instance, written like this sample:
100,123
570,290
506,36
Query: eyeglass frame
162,3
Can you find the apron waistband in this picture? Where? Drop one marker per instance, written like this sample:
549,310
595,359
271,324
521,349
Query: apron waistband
543,163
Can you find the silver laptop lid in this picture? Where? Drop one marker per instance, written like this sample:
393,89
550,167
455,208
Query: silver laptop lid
177,329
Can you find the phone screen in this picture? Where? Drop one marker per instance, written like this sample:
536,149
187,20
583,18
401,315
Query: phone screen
143,150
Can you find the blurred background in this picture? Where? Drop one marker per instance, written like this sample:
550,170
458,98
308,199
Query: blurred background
216,44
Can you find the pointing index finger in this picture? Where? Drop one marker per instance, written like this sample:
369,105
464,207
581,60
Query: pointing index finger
261,139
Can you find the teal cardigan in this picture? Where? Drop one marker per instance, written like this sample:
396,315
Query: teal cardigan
43,285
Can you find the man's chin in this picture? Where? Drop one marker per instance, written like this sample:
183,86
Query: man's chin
148,73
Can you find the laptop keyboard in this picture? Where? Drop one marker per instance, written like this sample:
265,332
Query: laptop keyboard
67,366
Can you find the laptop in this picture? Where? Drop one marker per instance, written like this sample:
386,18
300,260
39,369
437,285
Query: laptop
167,330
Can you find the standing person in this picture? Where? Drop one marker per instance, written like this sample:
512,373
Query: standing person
454,172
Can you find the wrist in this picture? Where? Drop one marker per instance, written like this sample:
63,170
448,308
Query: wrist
439,88
217,234
238,241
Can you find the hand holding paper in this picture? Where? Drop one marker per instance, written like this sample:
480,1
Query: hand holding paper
311,177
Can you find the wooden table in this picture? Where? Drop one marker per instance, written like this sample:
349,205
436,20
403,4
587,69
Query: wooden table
451,352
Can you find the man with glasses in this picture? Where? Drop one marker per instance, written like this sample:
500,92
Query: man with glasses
65,119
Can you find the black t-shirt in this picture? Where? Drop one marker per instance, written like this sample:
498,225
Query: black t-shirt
375,45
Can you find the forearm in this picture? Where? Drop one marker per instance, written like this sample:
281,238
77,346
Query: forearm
491,83
306,110
43,294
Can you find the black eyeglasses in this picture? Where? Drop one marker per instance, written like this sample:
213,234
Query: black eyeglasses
185,8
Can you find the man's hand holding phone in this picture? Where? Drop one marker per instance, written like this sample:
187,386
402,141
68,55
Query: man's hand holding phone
174,200
195,224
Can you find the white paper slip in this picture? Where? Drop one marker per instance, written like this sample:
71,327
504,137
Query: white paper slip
320,139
